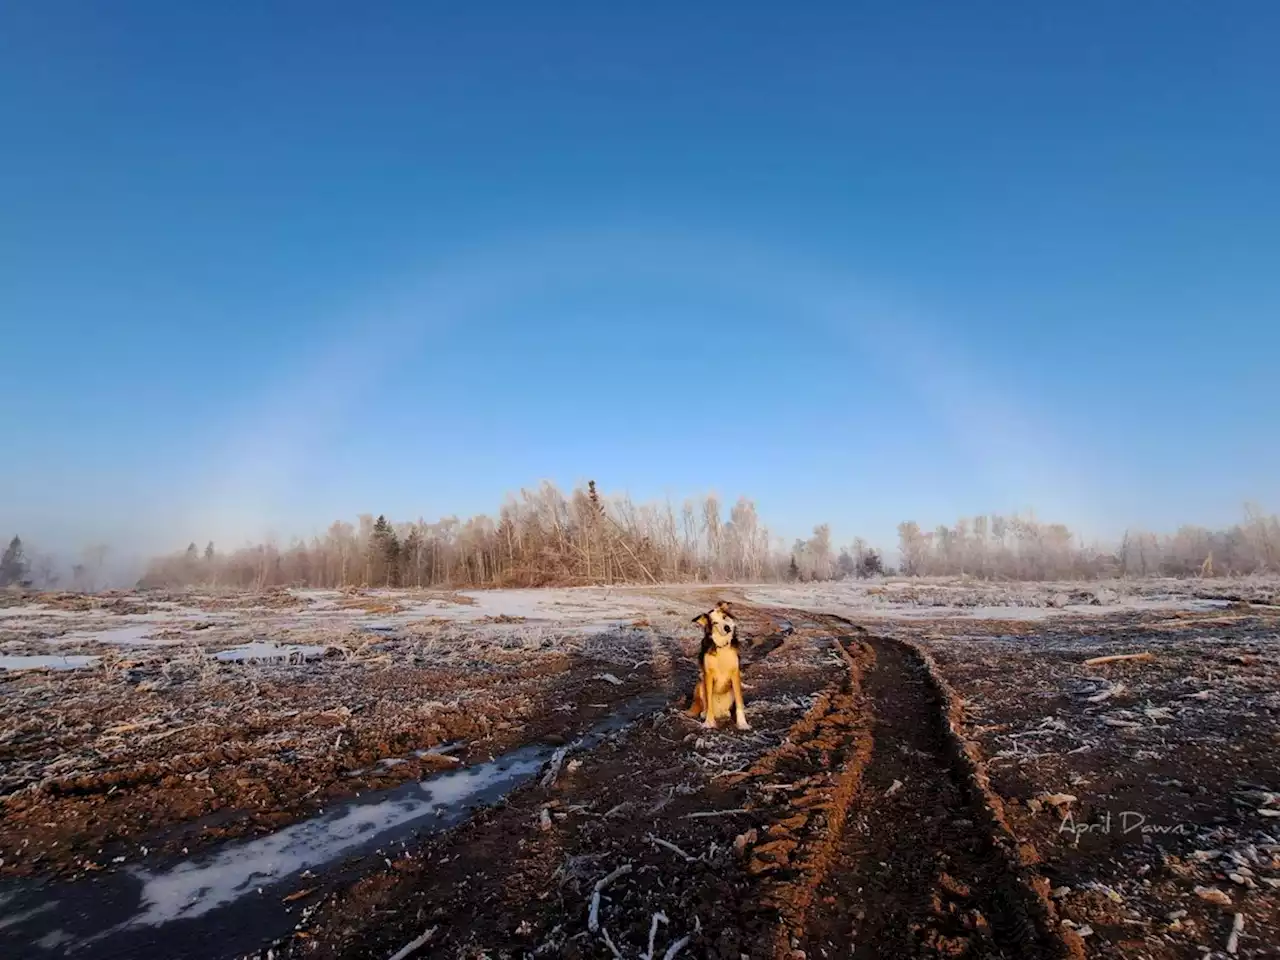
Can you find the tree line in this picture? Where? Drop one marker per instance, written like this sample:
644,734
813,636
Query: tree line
1023,548
539,538
22,567
543,538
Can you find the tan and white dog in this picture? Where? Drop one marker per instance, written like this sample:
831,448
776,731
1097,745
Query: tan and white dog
719,690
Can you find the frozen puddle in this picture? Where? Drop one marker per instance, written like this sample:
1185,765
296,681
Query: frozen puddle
47,663
194,889
259,652
134,636
229,902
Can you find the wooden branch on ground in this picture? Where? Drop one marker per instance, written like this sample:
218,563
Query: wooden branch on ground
413,946
1145,657
715,813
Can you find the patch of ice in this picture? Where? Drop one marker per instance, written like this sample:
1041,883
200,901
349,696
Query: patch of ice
134,636
13,919
1210,604
193,889
47,663
54,939
182,613
260,651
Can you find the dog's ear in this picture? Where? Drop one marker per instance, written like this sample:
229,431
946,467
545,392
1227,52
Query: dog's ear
723,606
702,620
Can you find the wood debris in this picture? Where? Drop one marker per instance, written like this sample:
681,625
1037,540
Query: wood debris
413,946
1237,927
1058,799
658,918
1145,657
1107,694
667,845
1213,895
676,947
593,916
557,760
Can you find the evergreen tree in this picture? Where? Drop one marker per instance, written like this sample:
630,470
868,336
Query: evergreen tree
13,565
411,559
391,557
871,565
846,565
386,549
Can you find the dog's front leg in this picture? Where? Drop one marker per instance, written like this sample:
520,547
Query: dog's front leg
709,700
737,701
698,698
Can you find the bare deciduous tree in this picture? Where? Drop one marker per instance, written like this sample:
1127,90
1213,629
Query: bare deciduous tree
542,537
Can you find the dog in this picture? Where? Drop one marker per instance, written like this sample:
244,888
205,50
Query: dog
719,690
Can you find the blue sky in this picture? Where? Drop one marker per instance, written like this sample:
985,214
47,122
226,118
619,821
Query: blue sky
262,266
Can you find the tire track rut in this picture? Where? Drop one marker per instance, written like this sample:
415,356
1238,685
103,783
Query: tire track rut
922,866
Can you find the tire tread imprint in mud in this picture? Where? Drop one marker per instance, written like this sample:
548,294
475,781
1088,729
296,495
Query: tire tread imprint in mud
925,866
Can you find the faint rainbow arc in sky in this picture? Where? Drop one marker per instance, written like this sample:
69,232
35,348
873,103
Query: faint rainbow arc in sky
264,455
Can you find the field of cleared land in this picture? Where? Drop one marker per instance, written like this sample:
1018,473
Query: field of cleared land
934,769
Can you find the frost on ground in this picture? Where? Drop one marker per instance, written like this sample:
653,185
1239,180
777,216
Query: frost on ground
46,663
208,744
122,714
75,623
981,600
1139,764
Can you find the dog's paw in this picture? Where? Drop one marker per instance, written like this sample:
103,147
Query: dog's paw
742,724
709,723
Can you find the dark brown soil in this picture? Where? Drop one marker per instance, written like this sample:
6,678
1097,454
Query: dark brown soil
746,845
275,751
902,794
1168,773
918,872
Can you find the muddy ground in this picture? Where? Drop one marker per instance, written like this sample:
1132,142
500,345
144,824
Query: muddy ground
952,782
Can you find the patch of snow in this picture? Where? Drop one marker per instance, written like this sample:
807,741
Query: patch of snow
47,663
550,604
975,601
